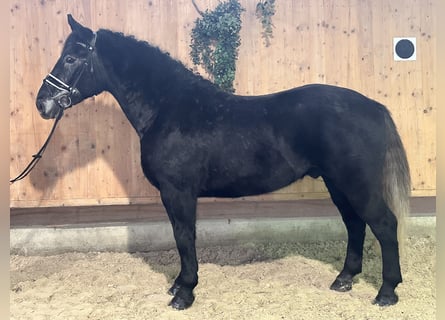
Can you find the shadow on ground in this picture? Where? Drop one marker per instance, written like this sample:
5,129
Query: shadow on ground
328,252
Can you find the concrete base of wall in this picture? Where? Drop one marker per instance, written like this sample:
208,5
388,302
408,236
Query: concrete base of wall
158,235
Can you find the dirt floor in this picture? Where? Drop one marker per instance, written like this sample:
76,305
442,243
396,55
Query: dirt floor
268,281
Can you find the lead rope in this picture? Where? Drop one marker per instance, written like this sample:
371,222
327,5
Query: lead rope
36,157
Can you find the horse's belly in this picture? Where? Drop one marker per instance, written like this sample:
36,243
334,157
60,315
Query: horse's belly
252,176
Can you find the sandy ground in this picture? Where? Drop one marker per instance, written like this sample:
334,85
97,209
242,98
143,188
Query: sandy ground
268,281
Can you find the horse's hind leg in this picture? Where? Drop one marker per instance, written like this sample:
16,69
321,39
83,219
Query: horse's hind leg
368,204
383,224
181,209
356,235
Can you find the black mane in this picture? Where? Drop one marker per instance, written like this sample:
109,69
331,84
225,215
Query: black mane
143,60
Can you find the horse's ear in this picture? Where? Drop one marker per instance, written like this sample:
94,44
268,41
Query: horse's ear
77,27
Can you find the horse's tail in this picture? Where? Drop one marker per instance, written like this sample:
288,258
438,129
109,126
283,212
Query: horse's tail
396,178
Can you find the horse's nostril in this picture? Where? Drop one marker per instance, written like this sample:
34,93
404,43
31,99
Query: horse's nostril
39,105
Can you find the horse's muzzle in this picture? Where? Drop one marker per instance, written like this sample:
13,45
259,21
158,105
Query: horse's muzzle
48,108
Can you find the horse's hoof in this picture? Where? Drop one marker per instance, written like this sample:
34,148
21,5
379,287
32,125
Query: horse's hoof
182,301
386,300
174,289
341,285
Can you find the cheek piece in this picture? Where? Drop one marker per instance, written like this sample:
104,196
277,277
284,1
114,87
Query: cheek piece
66,91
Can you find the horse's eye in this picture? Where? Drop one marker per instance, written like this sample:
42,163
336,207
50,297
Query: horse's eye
70,59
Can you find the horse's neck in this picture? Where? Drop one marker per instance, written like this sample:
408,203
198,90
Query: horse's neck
134,93
145,81
138,111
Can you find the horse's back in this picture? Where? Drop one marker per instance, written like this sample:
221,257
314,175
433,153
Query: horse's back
329,131
318,120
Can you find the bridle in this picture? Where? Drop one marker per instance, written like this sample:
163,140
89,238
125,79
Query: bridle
66,91
64,101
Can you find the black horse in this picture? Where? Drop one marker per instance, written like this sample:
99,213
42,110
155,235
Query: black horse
198,141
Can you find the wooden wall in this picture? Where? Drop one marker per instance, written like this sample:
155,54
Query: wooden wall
94,156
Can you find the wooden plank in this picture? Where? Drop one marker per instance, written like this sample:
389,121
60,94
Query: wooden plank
89,215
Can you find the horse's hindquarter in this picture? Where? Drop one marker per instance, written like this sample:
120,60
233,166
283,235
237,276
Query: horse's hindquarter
344,130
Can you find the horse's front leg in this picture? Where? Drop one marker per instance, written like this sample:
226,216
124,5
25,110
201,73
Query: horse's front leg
181,209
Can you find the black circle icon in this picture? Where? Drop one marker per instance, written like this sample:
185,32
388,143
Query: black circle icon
404,49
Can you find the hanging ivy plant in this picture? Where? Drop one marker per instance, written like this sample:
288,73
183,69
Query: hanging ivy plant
265,10
215,41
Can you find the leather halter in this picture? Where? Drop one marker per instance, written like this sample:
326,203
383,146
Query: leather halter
63,97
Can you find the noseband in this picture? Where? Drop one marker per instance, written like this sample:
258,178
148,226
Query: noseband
66,91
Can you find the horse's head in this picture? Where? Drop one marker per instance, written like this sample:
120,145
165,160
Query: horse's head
73,77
